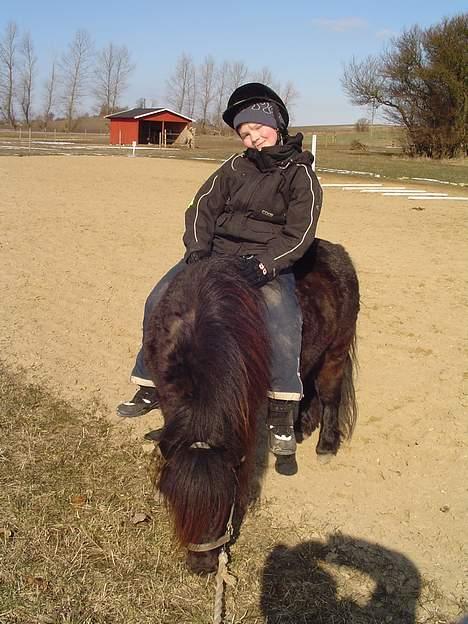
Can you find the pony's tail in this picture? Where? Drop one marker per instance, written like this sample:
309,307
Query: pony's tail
195,479
348,411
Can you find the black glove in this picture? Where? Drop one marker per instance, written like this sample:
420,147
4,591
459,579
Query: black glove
196,256
254,271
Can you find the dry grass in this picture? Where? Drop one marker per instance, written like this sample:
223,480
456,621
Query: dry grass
71,551
382,156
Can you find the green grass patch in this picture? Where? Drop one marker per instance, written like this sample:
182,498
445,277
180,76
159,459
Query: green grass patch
71,551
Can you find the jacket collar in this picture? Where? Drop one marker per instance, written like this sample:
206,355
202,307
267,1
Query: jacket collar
278,155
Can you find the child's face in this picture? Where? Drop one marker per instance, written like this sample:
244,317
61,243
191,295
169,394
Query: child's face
257,136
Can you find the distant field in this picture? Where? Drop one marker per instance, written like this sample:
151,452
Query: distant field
334,150
376,152
379,137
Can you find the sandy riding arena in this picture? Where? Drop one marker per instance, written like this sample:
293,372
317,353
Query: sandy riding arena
83,240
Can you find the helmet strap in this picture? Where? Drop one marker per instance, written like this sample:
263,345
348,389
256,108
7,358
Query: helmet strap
282,136
282,131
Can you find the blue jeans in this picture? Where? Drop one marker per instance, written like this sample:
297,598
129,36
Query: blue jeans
284,323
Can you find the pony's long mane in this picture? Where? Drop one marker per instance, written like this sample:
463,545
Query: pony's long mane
208,353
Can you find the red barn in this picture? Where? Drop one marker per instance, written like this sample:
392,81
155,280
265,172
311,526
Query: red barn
157,126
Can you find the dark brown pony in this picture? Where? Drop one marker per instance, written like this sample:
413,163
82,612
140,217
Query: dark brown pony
208,353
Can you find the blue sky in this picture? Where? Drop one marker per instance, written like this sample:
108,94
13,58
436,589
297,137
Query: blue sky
303,41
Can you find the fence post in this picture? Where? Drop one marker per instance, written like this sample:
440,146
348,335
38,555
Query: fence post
314,149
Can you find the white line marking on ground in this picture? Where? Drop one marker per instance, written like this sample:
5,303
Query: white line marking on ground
377,175
359,188
386,189
393,191
351,185
431,197
413,193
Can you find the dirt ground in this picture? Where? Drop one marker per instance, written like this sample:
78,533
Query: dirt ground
83,240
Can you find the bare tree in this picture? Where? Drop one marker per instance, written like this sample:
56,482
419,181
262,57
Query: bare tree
238,72
192,93
28,64
7,73
206,87
289,94
363,82
221,92
50,88
264,76
75,68
362,125
179,85
113,68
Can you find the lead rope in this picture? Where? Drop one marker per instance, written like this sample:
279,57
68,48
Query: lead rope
222,576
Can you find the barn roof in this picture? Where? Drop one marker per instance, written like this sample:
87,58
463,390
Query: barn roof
138,113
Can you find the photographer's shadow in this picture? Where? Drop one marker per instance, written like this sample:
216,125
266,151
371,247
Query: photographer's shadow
342,580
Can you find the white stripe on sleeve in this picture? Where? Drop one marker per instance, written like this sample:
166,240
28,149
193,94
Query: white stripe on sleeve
198,203
233,156
311,217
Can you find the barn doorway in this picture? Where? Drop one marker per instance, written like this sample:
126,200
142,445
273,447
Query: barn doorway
149,132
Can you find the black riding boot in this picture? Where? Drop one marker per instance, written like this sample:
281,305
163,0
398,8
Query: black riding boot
280,423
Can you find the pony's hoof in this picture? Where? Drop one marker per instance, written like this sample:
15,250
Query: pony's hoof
286,465
301,436
325,459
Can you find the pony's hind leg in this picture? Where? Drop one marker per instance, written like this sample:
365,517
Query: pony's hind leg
310,414
329,384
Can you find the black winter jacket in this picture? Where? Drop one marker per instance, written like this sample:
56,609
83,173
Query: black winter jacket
263,203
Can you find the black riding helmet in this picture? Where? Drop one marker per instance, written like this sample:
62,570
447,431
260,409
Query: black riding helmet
256,92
